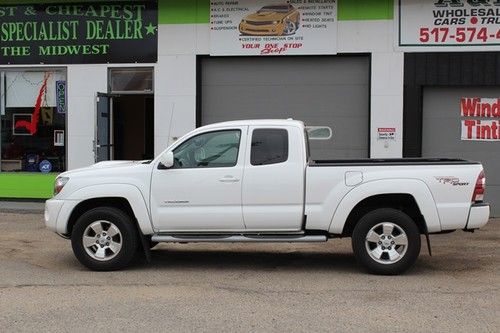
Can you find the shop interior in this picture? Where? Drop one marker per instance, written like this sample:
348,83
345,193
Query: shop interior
33,120
133,127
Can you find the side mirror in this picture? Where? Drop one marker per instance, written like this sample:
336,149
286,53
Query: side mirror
167,159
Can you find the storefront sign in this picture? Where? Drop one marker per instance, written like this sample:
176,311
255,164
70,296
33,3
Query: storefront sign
444,25
273,27
86,32
479,125
61,96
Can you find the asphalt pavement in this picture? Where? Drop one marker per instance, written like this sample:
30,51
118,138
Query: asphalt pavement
246,287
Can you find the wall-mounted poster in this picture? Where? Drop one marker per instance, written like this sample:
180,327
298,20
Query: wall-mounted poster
448,25
386,133
273,27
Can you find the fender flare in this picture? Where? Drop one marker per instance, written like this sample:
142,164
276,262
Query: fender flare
127,191
414,187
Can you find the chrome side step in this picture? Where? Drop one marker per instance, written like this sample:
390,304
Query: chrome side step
239,239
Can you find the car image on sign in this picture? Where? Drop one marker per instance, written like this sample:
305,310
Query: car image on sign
279,20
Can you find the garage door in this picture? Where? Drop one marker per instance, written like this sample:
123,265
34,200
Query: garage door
442,134
321,91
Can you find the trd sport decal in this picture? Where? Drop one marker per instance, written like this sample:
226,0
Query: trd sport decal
451,180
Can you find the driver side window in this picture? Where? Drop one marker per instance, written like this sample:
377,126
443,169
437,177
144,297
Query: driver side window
217,149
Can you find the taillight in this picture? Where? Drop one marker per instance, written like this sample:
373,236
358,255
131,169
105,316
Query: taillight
479,188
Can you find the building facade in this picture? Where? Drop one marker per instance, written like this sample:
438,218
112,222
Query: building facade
381,74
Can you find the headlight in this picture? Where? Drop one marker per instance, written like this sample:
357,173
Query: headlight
59,184
276,22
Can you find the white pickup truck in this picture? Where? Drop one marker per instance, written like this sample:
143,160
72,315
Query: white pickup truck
253,181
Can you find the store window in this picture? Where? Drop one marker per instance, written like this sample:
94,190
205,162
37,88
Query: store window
33,107
131,80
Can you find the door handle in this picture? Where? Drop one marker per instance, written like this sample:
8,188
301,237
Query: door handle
229,180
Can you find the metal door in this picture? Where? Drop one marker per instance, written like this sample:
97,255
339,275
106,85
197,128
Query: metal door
103,137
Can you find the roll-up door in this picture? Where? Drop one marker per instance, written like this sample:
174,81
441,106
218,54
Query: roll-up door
321,91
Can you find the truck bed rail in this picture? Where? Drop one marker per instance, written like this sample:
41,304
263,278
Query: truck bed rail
391,161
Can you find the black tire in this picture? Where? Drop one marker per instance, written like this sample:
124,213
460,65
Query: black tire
128,238
385,265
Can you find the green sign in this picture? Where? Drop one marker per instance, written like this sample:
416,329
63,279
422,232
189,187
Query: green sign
116,32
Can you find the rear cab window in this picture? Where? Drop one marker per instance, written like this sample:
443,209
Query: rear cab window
269,146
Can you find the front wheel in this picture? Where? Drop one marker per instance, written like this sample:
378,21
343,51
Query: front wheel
386,241
104,239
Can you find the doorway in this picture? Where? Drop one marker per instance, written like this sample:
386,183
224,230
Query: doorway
125,116
125,127
133,123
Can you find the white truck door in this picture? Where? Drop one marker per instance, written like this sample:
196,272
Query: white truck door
273,185
202,191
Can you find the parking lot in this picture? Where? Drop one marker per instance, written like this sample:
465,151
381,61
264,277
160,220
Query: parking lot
247,287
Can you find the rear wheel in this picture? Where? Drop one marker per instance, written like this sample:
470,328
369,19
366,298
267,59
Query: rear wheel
104,239
386,241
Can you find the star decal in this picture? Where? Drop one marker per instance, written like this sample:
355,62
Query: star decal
150,29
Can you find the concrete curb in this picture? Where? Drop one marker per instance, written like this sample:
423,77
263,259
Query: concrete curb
22,207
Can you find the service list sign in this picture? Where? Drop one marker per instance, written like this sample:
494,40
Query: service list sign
78,33
447,24
273,27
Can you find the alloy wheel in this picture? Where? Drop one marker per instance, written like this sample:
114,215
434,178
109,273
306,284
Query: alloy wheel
102,240
386,243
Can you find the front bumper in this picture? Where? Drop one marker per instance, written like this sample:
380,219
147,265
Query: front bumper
478,216
57,214
52,209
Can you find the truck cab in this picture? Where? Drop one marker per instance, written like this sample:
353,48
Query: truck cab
233,178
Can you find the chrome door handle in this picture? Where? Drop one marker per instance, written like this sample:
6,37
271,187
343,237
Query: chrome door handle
229,180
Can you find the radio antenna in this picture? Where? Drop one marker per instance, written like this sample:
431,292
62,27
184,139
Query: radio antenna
170,125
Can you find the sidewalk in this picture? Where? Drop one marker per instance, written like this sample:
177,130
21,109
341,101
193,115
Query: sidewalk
26,207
